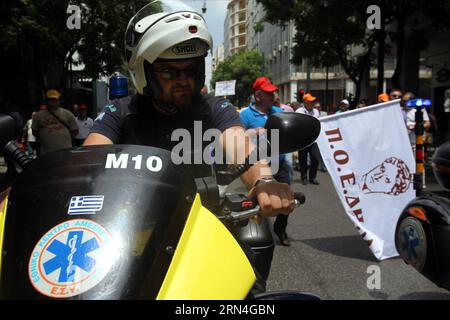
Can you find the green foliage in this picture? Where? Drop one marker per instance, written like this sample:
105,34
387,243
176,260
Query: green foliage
244,67
99,41
259,26
327,30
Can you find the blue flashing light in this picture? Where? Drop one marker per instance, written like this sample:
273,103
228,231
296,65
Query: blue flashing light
413,103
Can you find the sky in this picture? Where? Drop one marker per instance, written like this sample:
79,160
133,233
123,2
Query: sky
215,18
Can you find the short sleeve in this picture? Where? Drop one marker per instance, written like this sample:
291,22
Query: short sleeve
224,115
244,119
108,123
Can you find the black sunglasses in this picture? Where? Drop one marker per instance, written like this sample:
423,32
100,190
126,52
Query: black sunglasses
169,73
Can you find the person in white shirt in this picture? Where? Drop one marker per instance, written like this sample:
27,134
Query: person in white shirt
29,140
343,106
85,125
308,106
411,119
312,150
318,107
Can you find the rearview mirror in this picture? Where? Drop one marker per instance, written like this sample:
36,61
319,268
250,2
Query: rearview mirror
7,130
296,131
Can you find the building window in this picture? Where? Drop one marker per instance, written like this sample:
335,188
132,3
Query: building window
241,16
241,28
241,41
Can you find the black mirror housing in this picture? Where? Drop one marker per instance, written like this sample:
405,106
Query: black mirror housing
7,130
296,131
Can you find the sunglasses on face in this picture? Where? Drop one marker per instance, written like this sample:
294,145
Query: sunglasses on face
396,96
169,73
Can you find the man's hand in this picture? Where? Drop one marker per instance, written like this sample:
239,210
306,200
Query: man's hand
274,198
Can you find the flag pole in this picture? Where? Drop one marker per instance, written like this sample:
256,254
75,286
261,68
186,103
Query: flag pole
419,130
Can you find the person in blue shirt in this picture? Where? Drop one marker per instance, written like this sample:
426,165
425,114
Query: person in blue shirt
255,117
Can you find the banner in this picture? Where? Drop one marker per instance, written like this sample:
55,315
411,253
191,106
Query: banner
225,88
369,157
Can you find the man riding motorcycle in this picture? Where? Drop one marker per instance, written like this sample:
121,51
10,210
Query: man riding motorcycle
166,49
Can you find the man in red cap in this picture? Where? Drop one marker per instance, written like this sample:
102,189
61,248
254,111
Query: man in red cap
255,117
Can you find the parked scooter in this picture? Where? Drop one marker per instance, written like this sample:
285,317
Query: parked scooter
423,229
124,222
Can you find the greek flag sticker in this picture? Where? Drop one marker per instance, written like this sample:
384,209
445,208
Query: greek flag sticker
85,204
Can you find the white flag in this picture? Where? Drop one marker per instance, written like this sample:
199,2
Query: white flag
369,157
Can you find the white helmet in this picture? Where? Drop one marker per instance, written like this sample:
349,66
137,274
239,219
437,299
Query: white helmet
166,30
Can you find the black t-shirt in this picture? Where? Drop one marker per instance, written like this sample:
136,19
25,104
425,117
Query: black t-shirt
133,120
213,112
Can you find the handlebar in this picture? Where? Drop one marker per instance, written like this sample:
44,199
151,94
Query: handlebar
15,154
299,199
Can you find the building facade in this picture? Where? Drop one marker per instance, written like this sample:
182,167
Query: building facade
331,84
235,34
218,56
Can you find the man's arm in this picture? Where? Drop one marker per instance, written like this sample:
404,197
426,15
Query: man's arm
274,198
96,139
106,128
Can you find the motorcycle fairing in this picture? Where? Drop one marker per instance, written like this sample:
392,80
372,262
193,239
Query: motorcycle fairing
436,208
3,206
144,210
208,262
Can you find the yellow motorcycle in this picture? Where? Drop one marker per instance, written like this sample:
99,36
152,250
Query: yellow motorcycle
124,222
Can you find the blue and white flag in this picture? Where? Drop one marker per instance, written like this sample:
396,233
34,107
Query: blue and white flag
85,204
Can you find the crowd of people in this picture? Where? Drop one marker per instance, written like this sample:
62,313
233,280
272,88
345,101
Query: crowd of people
266,101
53,128
169,97
50,128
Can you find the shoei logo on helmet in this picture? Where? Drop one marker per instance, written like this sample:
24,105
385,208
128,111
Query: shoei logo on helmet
187,48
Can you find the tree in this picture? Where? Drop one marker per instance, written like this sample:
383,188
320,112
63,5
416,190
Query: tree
328,33
414,22
244,67
328,30
36,46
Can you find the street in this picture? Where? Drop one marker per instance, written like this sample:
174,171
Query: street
328,258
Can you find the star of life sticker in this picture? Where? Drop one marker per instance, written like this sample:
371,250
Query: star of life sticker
71,258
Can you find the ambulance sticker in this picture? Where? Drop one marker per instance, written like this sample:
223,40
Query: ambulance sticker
71,258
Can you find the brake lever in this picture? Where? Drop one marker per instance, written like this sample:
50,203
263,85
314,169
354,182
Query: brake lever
299,199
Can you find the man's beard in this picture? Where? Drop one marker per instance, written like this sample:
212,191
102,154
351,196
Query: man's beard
174,103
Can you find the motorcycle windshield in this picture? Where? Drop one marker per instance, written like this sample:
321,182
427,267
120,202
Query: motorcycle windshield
97,222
